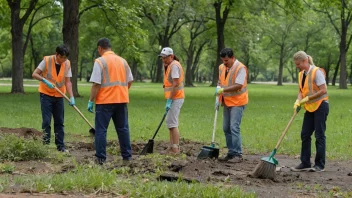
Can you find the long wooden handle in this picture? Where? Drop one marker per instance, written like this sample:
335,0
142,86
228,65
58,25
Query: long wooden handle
74,106
286,129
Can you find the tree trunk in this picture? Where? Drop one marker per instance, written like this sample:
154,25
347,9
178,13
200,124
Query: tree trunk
336,72
343,71
189,74
220,26
70,37
281,65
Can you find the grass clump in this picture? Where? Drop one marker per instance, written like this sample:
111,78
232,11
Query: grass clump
14,148
7,168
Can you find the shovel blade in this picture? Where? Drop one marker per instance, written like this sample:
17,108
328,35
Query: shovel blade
148,148
270,160
208,152
92,132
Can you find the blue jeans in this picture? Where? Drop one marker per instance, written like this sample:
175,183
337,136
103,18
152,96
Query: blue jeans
231,126
314,121
53,106
119,114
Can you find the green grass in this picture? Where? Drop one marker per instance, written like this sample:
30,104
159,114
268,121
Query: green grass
265,117
95,179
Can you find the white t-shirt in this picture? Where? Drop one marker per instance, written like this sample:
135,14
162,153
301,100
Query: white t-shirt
41,66
319,76
97,70
175,71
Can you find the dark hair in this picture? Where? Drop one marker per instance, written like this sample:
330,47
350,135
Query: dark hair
104,43
176,58
62,50
226,52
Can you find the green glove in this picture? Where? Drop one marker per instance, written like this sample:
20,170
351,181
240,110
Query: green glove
219,90
72,101
90,106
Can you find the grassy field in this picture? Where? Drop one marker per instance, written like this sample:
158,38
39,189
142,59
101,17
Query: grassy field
265,117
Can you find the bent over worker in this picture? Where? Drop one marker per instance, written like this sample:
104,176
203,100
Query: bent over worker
54,70
234,97
111,78
313,94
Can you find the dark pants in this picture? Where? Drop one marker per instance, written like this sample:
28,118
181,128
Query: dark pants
119,114
53,106
314,121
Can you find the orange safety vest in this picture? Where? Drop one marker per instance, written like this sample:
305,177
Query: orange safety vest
57,79
236,98
310,88
114,85
168,81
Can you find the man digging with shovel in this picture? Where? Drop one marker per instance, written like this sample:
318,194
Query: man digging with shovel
234,97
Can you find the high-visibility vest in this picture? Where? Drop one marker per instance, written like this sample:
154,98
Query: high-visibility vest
114,85
236,98
168,81
310,88
57,79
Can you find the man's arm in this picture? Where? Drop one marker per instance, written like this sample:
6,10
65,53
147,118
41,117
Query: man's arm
94,91
37,74
68,85
175,83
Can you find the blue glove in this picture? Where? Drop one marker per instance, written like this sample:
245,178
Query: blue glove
72,101
168,104
51,86
90,106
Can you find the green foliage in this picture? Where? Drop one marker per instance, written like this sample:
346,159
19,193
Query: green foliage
14,148
7,168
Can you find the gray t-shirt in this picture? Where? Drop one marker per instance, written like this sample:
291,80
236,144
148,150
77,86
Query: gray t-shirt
41,66
241,75
97,70
175,71
319,76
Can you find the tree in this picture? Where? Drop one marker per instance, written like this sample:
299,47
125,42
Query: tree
330,8
17,24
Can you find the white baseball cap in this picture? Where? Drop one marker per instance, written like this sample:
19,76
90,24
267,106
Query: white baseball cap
166,51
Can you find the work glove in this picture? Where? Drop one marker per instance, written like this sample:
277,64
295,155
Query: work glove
304,100
168,104
72,101
90,106
219,90
297,104
51,86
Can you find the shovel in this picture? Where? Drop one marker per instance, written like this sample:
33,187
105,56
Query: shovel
91,130
211,151
150,145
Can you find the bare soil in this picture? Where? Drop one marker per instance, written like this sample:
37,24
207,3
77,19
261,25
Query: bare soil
333,180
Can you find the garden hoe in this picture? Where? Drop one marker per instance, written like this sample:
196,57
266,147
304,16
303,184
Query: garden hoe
91,130
150,145
211,151
267,166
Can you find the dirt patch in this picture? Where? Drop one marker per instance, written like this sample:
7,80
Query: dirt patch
186,167
22,132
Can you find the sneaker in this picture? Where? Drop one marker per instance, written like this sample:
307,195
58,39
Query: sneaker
226,158
301,168
316,169
236,159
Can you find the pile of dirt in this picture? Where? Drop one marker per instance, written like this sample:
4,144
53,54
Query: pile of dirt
22,132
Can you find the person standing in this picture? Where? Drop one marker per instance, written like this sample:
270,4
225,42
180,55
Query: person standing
234,97
313,94
111,78
54,70
174,95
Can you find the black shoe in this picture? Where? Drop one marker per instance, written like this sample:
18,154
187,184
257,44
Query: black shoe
226,158
300,168
99,161
316,169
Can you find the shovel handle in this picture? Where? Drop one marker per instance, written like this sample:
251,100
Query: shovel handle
215,119
161,122
74,106
287,127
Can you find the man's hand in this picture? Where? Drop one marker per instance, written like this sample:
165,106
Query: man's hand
72,101
168,104
219,90
90,106
51,86
295,105
304,100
